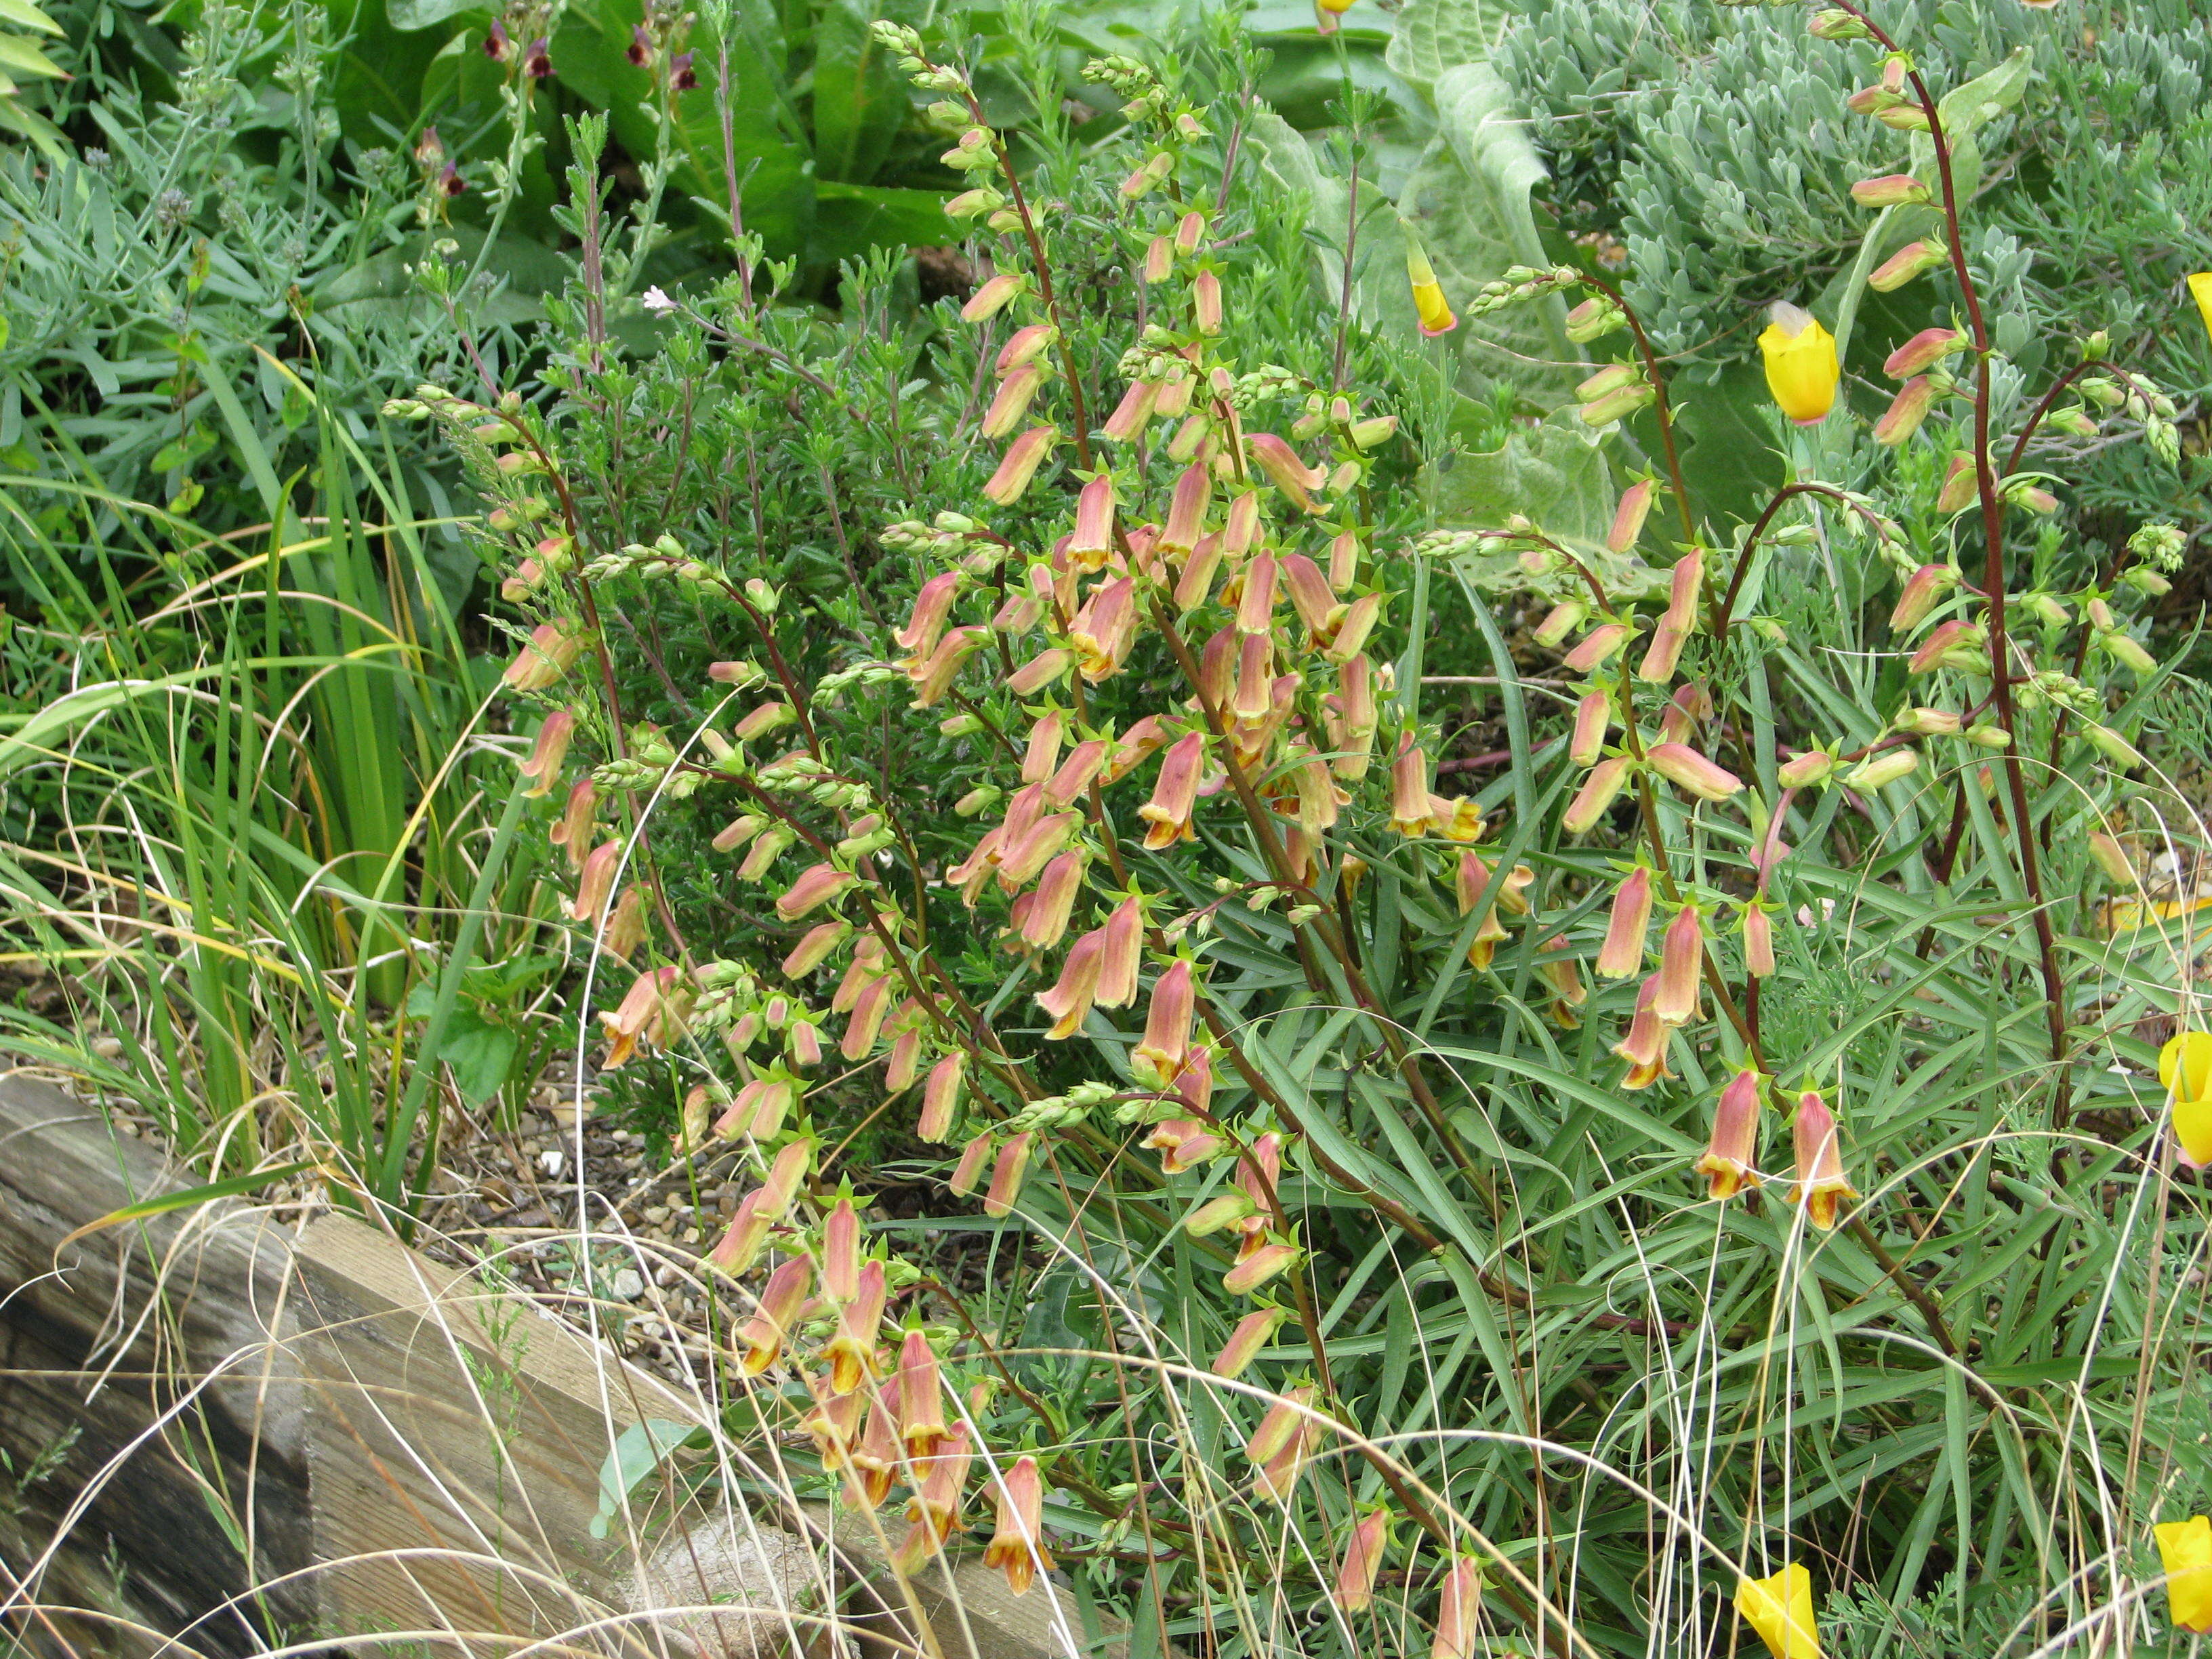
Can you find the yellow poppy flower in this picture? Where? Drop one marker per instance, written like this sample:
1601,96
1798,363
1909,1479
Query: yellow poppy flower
2184,1069
1780,1609
2184,1549
1428,293
2200,287
1801,370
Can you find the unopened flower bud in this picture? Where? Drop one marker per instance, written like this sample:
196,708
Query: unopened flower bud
1921,352
1815,766
1833,23
1925,588
2111,744
2125,647
1559,622
1961,484
1909,261
1929,723
1692,773
1905,412
1876,770
1604,782
1892,190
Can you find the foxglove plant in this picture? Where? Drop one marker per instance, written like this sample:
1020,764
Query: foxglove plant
1152,964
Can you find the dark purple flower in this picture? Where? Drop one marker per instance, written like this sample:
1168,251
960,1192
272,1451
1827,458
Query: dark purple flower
497,46
640,46
680,77
537,62
451,181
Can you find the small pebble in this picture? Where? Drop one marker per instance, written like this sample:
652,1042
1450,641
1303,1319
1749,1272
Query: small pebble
552,1161
656,1213
629,1285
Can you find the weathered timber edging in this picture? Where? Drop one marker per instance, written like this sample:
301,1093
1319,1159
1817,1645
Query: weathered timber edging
408,1458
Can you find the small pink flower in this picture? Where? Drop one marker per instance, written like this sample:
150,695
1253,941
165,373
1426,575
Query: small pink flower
941,1098
545,656
1253,1332
1006,1174
1681,961
1622,953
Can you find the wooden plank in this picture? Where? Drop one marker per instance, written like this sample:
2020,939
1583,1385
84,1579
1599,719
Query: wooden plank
148,1515
407,1449
451,1417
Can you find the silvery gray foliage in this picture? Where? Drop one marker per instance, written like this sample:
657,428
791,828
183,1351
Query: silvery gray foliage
1712,140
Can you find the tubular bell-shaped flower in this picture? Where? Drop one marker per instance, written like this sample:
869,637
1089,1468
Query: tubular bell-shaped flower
1069,1000
920,1395
852,1352
1409,788
1459,1610
1017,1545
1644,1045
1365,1547
1731,1159
1156,1061
761,1338
1622,953
1175,794
1253,1332
1820,1180
1434,311
1681,962
1007,1175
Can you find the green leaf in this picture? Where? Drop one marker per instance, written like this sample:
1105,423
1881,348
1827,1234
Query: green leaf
1437,35
850,219
421,13
859,103
1555,474
24,58
1982,99
638,1450
185,1198
481,1054
24,14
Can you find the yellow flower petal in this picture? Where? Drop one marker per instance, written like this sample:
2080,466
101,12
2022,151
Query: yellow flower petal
1780,1609
1801,370
2200,287
2185,1548
2185,1066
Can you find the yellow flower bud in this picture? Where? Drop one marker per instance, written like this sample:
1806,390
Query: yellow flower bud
1801,370
1428,293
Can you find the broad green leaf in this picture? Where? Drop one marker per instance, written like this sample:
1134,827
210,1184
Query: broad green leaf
638,1450
1555,474
859,103
421,13
480,1053
1436,35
